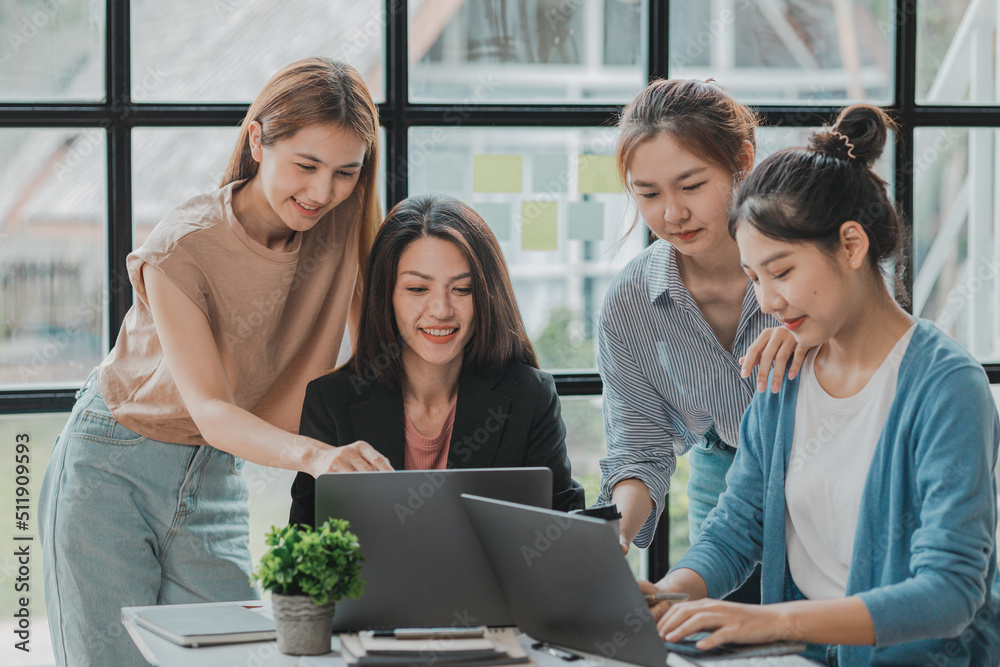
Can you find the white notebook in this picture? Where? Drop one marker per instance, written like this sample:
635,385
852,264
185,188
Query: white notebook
190,625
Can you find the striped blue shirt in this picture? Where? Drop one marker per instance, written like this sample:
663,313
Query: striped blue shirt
667,378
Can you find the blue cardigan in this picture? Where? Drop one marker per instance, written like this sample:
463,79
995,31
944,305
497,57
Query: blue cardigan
925,553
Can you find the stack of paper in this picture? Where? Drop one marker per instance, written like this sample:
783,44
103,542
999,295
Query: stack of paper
495,647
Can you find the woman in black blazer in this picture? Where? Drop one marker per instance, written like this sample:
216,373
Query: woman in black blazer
440,344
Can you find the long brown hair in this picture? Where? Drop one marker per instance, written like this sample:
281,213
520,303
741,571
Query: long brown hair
307,92
499,337
698,115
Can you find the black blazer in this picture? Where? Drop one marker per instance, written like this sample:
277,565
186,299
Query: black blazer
506,419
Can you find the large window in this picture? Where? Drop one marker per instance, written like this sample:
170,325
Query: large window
113,112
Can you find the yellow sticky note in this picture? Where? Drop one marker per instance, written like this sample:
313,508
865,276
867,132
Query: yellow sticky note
538,225
597,173
496,173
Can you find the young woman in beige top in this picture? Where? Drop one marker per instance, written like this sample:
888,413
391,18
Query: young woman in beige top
243,296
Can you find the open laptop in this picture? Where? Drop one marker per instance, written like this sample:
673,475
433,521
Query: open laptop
423,565
567,583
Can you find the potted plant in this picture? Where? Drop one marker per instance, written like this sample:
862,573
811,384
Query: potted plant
307,571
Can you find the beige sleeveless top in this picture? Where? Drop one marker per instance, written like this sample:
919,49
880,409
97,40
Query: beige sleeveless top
278,317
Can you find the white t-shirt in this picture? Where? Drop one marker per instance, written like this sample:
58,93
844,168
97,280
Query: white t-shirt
832,449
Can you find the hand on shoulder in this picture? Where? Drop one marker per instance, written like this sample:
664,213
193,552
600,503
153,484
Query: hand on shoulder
776,348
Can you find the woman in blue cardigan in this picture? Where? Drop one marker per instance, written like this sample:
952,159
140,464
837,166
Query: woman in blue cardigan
865,487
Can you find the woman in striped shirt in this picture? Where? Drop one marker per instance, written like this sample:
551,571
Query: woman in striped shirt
680,329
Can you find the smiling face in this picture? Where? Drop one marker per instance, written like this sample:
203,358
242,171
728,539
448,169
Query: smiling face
810,291
433,302
305,176
683,198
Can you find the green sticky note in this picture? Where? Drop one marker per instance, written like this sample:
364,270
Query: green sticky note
496,173
497,216
445,172
598,174
538,225
585,221
549,173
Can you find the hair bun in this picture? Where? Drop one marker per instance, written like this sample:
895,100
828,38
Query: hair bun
858,136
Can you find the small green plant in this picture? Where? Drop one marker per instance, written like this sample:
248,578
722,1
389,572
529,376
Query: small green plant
323,563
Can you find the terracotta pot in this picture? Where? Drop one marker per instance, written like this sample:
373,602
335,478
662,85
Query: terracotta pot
304,628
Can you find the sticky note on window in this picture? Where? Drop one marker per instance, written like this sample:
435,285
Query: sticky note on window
496,173
549,173
597,173
585,221
538,225
497,216
445,172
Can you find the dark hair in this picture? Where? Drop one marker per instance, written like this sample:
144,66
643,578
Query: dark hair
698,115
307,92
806,194
499,337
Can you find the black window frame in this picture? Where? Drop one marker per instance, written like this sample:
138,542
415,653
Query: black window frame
118,115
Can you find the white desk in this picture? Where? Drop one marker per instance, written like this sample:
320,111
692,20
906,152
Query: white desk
163,653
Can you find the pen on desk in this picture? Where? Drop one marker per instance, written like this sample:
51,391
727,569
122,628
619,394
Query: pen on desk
429,633
557,652
667,597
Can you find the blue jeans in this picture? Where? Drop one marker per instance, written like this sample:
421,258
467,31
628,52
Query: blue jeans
710,460
126,521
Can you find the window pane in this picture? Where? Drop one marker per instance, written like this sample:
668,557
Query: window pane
171,165
956,52
41,432
224,51
532,51
803,50
53,51
586,447
956,252
553,199
270,500
53,256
